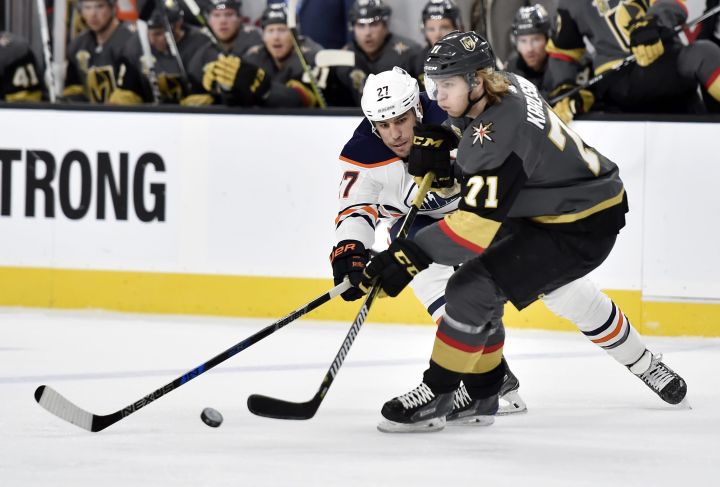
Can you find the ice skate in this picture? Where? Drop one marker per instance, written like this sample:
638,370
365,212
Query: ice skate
510,400
418,411
466,410
665,382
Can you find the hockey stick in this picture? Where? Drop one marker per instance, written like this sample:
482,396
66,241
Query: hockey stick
172,45
197,13
145,14
49,74
327,58
61,407
148,59
292,24
271,407
628,60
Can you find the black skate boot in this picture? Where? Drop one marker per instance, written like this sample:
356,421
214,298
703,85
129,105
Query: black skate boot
510,400
665,382
416,411
466,410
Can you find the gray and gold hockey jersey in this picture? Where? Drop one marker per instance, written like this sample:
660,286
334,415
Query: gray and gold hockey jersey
519,160
397,51
20,78
92,68
605,25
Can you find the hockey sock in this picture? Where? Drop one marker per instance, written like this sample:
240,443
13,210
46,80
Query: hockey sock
441,380
599,318
480,386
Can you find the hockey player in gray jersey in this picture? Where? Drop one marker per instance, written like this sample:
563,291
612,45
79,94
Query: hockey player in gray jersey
439,17
20,78
375,186
134,72
94,55
376,48
539,210
664,79
531,30
278,58
218,75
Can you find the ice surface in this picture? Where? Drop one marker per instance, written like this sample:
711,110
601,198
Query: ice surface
590,422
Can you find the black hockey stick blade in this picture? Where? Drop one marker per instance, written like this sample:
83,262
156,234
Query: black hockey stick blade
55,403
270,407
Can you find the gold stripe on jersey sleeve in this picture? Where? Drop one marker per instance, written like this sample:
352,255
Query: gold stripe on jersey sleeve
24,95
74,90
465,362
196,100
471,230
124,97
573,217
574,54
608,66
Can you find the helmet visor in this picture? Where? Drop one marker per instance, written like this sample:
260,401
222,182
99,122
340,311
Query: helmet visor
437,86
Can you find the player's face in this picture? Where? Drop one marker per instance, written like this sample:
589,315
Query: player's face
435,29
532,49
370,36
157,39
278,40
397,133
452,94
96,14
225,24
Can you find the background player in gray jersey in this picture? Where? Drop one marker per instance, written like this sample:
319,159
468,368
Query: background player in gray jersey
133,74
20,78
560,205
666,76
277,57
531,30
439,17
93,56
376,48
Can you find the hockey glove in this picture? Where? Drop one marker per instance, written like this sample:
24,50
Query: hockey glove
646,39
576,104
430,151
246,82
348,258
395,267
307,97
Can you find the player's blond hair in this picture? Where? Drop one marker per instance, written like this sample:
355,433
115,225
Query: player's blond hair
495,83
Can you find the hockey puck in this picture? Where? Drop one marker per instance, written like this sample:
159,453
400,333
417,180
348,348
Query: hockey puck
211,417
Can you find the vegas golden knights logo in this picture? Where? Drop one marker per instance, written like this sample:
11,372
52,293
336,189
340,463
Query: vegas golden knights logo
170,86
468,43
619,17
100,83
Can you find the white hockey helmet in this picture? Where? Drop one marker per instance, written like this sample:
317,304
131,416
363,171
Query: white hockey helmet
390,94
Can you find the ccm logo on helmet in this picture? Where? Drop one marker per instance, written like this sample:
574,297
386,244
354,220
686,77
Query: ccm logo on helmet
427,142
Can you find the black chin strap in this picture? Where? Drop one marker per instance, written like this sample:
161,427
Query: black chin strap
472,102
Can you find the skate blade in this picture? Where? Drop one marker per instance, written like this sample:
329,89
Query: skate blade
472,421
511,403
427,426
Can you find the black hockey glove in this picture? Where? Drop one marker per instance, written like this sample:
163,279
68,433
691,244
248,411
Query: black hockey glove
243,83
576,104
646,36
395,267
348,258
430,151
